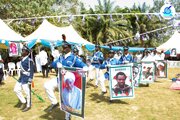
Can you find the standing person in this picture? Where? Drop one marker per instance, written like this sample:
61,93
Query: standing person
97,60
25,80
44,62
107,63
55,53
118,54
126,57
147,56
1,69
162,55
67,60
139,56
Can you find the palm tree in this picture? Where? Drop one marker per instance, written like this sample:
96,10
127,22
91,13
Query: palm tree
103,29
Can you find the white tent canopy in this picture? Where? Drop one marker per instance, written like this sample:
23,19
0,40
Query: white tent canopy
6,33
52,33
173,42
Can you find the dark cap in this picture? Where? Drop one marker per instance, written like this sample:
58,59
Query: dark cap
125,47
111,51
26,49
66,44
97,46
75,49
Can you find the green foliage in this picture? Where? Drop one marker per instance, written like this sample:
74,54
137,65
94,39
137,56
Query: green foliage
99,31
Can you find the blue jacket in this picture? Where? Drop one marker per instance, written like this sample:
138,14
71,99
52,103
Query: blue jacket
97,59
110,61
70,61
27,71
126,58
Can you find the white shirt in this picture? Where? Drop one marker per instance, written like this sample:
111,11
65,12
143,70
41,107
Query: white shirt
66,55
157,57
148,58
139,57
117,56
43,57
162,56
55,54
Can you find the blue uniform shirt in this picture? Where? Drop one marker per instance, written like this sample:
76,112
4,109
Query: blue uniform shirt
27,70
109,61
97,59
69,60
126,59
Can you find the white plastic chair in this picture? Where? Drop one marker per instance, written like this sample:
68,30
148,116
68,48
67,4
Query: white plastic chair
18,68
11,68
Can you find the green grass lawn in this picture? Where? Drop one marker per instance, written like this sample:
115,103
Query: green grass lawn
156,102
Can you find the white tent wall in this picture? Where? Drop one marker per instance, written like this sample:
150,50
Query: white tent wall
8,35
53,33
45,31
173,42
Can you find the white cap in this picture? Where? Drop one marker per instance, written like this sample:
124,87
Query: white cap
160,63
69,76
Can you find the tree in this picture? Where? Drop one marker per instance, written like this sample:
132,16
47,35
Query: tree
13,9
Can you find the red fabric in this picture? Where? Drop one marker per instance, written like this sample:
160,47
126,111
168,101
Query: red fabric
175,86
78,80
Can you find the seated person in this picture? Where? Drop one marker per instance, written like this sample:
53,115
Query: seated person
175,83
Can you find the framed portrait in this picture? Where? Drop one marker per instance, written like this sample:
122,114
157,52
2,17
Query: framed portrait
121,82
147,72
173,52
161,68
136,68
72,91
14,49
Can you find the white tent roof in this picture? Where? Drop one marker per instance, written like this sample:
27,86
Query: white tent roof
6,33
53,33
173,42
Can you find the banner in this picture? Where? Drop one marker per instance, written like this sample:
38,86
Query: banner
136,68
72,91
161,68
14,49
121,82
173,52
147,72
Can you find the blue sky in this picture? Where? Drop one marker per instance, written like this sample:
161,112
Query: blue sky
121,3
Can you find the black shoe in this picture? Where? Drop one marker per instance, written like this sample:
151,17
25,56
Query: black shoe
23,106
52,107
18,105
103,93
26,109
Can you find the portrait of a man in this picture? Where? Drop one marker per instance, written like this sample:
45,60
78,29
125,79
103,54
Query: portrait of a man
13,49
148,72
120,88
173,52
71,94
161,69
136,74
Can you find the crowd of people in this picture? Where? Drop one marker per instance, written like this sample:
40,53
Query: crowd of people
70,58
